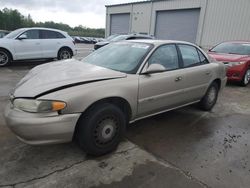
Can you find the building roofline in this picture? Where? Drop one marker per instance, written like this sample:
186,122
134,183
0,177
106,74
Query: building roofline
132,3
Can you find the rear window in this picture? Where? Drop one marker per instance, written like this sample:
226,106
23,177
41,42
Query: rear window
190,55
45,34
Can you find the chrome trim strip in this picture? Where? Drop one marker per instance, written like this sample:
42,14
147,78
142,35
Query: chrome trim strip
132,121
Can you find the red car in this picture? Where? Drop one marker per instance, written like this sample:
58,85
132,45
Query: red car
236,55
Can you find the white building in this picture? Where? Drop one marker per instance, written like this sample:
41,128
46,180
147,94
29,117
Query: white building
204,22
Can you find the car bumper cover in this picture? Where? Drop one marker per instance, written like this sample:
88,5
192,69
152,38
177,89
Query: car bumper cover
37,129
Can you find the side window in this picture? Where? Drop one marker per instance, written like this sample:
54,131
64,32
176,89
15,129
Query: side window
32,34
190,55
203,59
166,56
45,34
59,35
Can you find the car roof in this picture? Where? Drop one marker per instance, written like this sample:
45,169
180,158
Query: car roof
237,41
139,35
44,28
160,42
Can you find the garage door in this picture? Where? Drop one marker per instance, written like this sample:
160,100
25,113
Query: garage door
177,24
119,23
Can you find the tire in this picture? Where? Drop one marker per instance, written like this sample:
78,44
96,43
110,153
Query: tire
64,53
5,58
246,78
101,129
209,100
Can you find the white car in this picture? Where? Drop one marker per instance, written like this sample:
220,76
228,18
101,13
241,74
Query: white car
35,43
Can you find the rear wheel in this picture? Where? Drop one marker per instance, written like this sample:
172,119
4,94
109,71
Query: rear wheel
64,53
210,98
101,129
246,78
5,58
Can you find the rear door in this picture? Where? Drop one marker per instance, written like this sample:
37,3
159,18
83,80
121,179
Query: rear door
196,72
51,41
29,48
160,91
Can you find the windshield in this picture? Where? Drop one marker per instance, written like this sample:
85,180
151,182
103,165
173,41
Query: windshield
123,56
233,48
119,38
13,34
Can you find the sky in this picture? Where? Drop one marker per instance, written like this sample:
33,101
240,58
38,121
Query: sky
89,13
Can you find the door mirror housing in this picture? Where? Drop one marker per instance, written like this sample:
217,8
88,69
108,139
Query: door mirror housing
22,36
154,68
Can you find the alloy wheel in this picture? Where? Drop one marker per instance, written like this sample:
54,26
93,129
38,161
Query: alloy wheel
4,59
247,77
65,54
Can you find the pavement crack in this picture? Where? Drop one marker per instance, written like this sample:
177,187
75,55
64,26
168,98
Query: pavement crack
63,169
44,176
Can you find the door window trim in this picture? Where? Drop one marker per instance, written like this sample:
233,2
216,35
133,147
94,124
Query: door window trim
146,61
197,50
27,31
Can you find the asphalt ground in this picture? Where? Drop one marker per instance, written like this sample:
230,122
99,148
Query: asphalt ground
182,148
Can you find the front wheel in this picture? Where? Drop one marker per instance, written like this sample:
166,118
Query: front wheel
210,98
64,53
5,58
101,129
246,78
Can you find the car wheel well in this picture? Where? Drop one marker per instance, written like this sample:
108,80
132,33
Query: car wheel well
4,49
117,101
65,47
218,82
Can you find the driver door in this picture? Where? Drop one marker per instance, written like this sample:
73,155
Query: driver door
30,47
163,90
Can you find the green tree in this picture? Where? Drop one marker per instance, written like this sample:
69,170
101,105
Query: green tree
12,19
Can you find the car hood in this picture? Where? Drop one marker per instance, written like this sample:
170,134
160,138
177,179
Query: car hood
229,57
61,74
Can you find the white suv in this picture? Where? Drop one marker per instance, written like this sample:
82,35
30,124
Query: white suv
35,43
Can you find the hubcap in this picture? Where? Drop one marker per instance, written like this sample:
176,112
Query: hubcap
65,54
3,58
211,95
247,77
105,130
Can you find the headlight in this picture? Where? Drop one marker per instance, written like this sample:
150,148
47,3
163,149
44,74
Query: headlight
232,64
39,106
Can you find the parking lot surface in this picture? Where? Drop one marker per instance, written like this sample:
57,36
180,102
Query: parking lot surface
182,148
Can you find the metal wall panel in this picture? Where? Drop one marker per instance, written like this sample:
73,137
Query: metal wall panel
141,15
220,20
226,20
119,23
177,24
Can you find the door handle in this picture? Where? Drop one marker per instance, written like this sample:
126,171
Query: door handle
179,78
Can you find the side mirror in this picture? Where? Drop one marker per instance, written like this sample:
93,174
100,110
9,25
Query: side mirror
22,36
154,68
